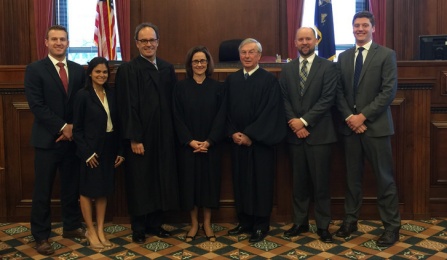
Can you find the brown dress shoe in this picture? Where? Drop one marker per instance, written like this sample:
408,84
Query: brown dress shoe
77,233
44,247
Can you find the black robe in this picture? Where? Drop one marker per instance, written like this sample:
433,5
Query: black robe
199,114
144,98
255,108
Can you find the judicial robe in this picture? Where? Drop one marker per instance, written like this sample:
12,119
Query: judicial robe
199,114
144,98
255,108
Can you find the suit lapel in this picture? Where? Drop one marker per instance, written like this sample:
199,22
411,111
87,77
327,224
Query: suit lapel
350,56
371,53
295,86
71,76
95,98
312,72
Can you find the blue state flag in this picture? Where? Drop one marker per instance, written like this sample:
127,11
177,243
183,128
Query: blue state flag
324,23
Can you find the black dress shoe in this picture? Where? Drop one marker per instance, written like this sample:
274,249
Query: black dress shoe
160,232
325,236
44,247
257,236
295,230
138,238
239,230
346,229
388,238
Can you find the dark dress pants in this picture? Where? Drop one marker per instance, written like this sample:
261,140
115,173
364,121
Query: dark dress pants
378,152
47,163
310,170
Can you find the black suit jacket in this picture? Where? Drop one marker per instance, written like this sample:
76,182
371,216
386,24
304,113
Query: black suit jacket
90,122
315,104
376,90
46,96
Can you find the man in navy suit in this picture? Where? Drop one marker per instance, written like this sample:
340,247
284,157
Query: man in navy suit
308,85
367,86
51,102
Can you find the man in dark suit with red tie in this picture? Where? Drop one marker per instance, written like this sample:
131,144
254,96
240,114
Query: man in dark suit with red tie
50,86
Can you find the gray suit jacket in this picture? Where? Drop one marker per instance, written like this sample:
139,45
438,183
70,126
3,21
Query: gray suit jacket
376,90
315,104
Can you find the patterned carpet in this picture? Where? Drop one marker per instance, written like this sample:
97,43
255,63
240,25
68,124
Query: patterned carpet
425,239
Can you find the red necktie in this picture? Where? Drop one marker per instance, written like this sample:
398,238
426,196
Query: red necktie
63,75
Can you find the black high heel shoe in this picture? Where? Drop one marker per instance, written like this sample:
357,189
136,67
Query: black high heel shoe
211,238
191,238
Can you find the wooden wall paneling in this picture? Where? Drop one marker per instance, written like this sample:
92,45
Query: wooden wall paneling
184,24
438,174
427,24
14,32
20,156
404,29
3,183
441,17
399,112
390,24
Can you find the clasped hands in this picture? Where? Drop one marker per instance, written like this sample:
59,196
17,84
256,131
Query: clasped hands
93,162
298,128
66,133
356,123
199,147
241,139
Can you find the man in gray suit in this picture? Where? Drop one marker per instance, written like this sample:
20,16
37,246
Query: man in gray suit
367,86
308,86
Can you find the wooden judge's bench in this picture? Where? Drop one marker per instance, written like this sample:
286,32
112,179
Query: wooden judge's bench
419,151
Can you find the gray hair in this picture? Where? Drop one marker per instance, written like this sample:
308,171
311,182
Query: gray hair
250,40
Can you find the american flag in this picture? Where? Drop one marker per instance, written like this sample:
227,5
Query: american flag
105,36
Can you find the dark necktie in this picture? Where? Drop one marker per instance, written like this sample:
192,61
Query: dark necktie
246,75
63,75
358,69
303,76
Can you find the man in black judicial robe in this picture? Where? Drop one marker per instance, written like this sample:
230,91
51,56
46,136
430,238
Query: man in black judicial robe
256,122
144,93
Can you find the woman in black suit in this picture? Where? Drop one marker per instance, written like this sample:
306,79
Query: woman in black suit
97,139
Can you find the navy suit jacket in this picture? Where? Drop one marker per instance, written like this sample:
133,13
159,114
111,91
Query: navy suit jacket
51,105
315,104
90,122
376,90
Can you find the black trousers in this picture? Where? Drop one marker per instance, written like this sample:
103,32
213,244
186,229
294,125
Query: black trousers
144,223
254,222
47,163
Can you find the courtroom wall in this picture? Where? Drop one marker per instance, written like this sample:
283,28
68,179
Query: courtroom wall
186,23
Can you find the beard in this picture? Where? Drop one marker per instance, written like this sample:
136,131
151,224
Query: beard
310,52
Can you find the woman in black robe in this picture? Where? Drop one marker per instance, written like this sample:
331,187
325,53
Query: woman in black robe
199,118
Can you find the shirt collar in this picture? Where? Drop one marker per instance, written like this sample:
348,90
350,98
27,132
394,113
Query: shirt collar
54,61
153,62
309,59
252,71
366,46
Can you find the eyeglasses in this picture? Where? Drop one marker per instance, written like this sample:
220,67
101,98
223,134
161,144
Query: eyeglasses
196,62
250,52
151,41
